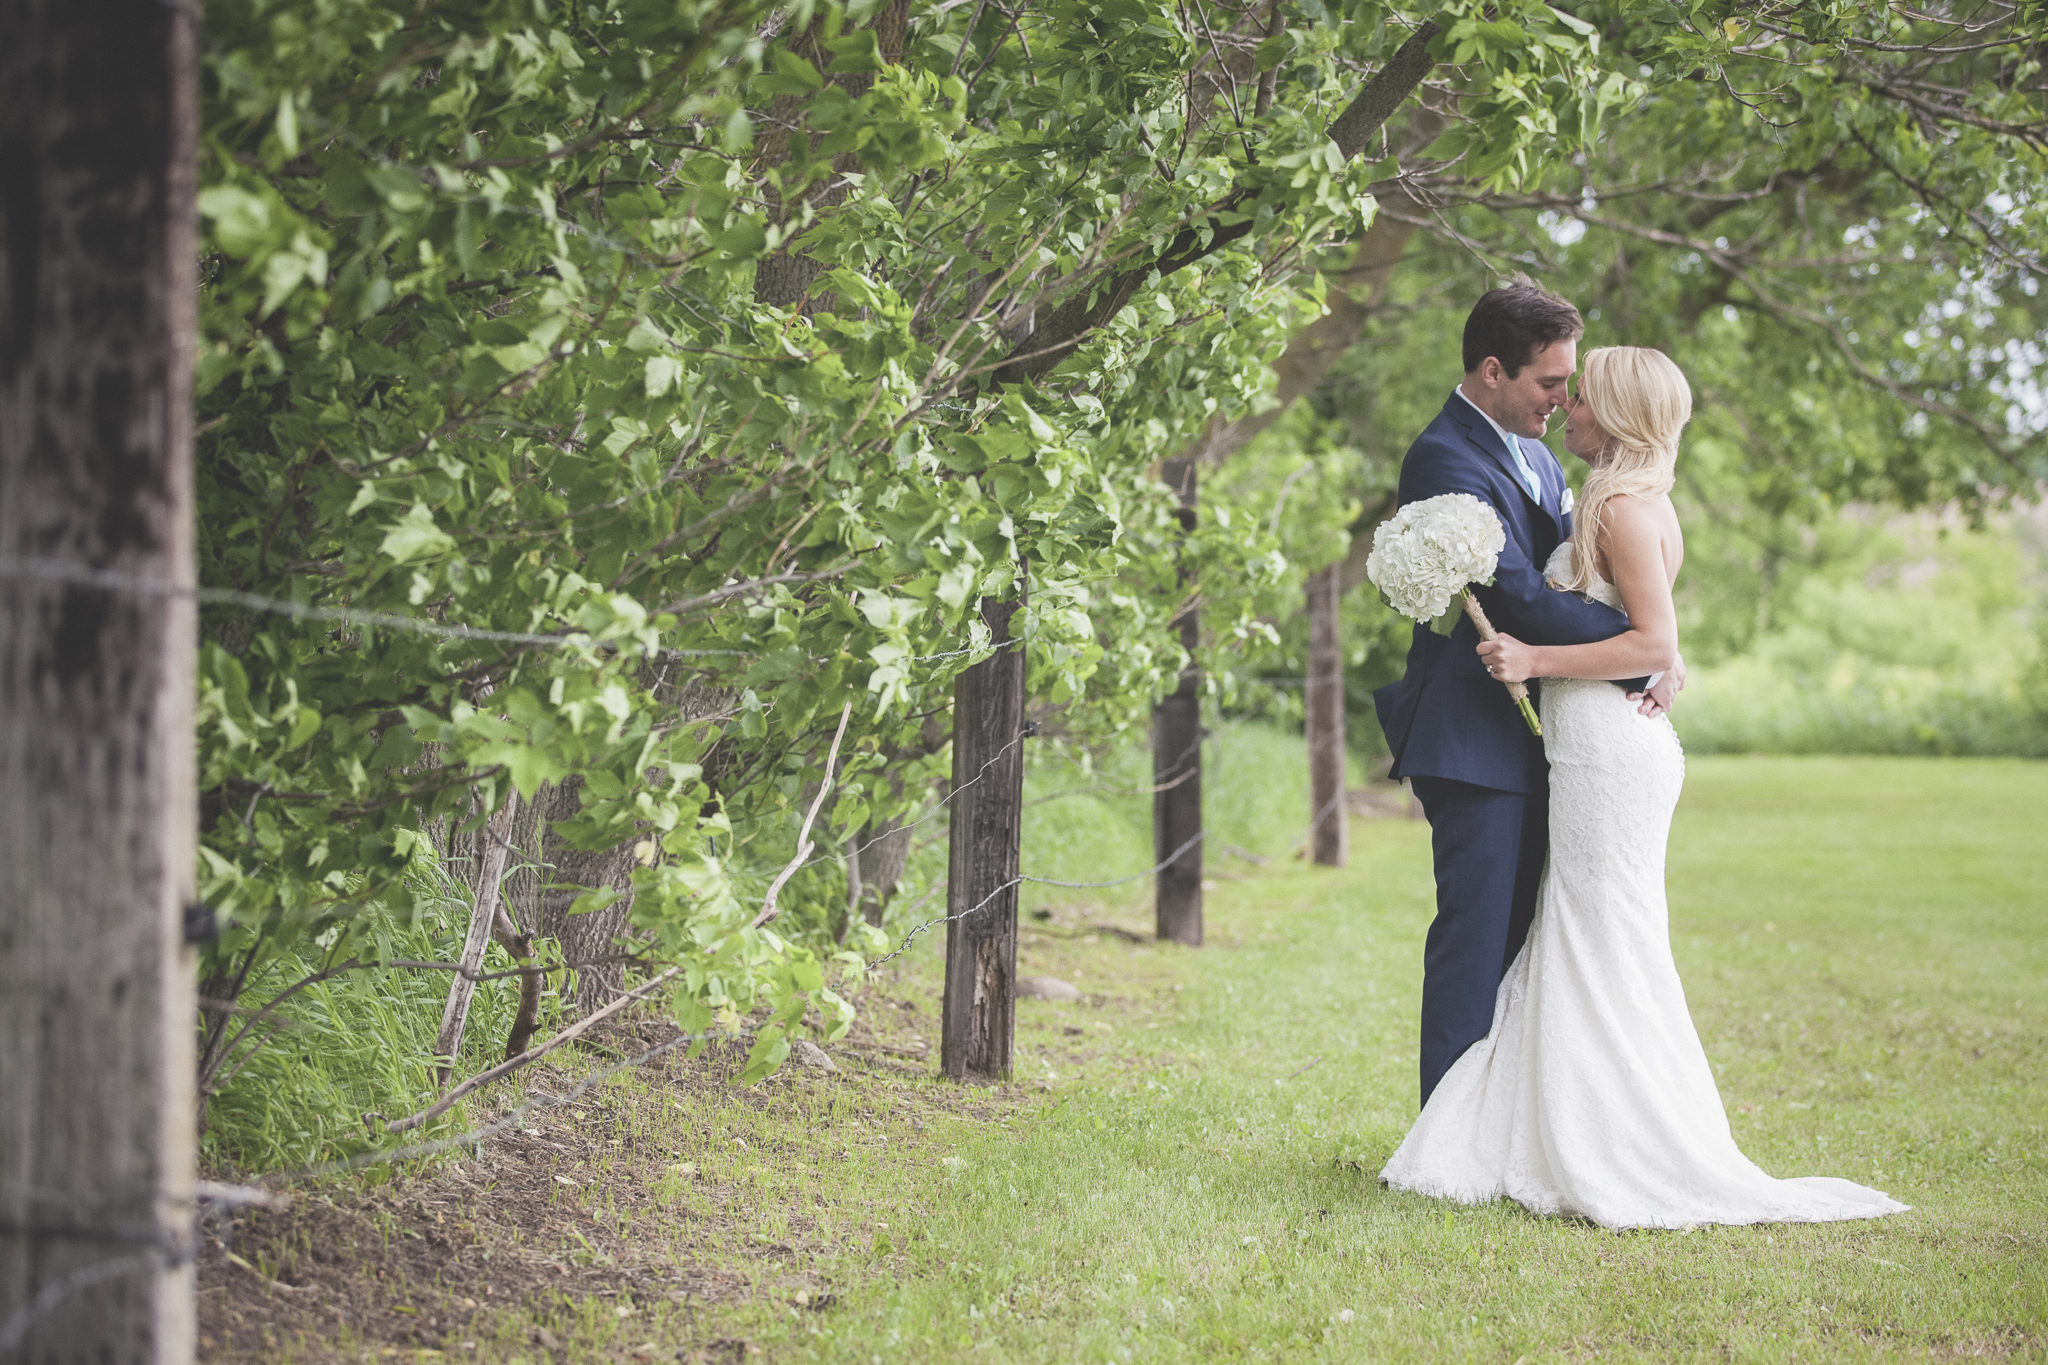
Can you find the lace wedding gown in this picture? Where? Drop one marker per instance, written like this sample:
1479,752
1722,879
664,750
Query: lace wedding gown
1591,1095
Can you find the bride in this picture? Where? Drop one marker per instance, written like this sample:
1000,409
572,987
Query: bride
1591,1095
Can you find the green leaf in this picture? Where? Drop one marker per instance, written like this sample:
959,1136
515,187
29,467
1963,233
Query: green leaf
594,900
770,1049
745,238
797,69
416,536
855,52
305,725
243,223
662,374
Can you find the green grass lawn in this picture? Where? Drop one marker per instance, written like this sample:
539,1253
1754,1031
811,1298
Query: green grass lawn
1864,945
1185,1168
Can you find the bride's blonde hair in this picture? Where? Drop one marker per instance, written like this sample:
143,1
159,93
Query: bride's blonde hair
1642,402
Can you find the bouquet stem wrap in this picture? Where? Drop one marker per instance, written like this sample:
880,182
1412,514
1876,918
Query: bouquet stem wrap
1519,691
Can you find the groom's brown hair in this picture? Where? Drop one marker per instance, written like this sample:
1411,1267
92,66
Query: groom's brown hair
1513,323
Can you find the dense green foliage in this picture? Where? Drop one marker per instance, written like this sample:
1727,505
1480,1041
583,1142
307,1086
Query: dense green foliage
1830,216
659,339
1912,636
484,346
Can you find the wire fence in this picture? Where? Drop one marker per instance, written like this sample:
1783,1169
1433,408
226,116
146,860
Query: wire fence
115,580
176,1248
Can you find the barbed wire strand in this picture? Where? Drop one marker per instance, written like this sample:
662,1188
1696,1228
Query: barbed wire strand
911,937
1157,867
1019,880
15,1330
57,1291
50,570
831,855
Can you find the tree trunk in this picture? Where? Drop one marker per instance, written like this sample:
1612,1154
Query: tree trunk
98,815
543,878
885,844
565,874
980,1007
1330,834
853,887
1177,758
881,865
784,277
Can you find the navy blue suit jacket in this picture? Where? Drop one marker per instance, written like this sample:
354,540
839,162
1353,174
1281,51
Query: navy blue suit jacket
1446,717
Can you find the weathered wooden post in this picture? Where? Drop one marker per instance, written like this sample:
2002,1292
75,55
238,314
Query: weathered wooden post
1177,755
1330,834
98,814
987,810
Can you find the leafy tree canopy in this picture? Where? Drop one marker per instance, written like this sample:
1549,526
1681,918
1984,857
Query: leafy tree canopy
696,367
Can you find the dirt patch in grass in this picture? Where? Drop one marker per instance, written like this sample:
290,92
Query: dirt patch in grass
644,1207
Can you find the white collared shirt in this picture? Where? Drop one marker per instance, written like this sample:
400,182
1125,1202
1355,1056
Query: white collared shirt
1512,446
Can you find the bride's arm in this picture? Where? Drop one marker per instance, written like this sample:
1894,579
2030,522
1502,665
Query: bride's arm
1635,553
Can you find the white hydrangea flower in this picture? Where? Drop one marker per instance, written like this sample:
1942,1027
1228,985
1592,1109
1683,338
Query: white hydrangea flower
1430,551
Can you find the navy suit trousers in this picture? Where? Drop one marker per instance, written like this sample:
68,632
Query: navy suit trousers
1490,848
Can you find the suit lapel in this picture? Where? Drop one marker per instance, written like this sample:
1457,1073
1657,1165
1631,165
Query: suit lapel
1486,439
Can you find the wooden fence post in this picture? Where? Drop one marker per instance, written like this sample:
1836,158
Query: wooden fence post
98,808
1177,756
1330,834
987,809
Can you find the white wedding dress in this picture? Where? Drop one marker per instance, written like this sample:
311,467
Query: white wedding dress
1591,1096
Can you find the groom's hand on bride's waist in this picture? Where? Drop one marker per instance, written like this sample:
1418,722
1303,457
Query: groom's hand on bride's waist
1657,701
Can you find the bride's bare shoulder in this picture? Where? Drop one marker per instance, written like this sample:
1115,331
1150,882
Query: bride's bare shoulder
1645,522
1634,514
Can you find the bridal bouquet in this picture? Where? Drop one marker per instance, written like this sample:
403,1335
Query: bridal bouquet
1432,551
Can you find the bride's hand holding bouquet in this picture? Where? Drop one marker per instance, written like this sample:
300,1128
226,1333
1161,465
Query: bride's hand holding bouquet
1508,659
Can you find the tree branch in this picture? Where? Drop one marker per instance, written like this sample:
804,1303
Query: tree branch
1087,309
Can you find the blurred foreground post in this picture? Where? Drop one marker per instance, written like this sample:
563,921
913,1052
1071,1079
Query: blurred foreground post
98,248
1330,834
987,815
1177,754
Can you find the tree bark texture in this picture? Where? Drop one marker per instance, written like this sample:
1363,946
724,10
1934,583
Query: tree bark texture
885,844
1067,326
986,813
882,861
546,876
1177,758
1330,834
98,817
784,277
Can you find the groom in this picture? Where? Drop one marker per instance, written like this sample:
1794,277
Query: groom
1453,731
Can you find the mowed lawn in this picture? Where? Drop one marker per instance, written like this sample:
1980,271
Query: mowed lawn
1864,943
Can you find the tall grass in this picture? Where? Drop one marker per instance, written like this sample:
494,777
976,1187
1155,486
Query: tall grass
358,1046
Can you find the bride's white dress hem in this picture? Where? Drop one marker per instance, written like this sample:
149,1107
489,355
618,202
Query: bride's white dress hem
1591,1096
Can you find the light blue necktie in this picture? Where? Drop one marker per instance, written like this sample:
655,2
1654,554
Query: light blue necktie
1528,474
